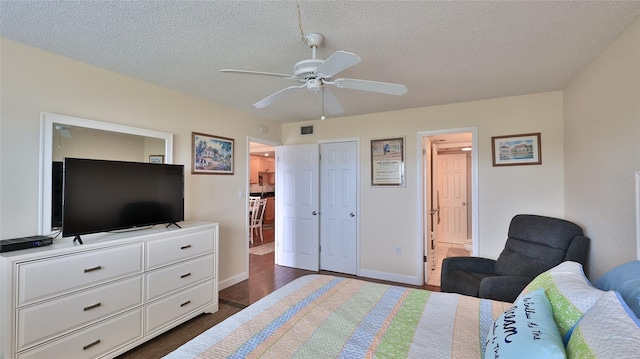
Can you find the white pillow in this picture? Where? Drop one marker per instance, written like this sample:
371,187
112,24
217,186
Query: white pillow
569,291
608,330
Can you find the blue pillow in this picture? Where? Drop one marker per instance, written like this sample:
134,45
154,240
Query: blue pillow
624,279
526,330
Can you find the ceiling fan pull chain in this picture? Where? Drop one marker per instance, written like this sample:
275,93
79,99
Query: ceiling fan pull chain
322,117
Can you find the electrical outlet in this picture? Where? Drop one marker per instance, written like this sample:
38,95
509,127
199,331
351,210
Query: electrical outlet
398,250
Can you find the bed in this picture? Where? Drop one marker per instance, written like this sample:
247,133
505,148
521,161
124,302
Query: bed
559,314
320,316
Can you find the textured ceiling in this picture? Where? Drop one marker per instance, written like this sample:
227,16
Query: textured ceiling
444,52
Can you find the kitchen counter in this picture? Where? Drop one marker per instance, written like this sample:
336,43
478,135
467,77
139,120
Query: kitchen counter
262,194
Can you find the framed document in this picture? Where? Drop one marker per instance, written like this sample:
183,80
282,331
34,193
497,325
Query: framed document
387,161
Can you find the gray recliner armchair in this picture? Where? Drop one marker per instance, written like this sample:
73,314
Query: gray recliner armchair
534,245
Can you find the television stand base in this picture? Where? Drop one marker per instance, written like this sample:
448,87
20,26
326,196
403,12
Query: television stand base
77,238
174,223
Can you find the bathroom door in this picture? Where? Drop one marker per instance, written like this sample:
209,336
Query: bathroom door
452,185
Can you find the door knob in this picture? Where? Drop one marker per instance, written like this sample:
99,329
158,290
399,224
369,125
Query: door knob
464,203
352,214
314,213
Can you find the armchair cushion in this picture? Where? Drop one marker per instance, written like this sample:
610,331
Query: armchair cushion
502,288
464,274
469,264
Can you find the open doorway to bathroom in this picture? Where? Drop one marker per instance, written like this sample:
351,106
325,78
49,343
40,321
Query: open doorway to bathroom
450,183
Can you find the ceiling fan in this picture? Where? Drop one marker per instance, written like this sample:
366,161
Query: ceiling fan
315,74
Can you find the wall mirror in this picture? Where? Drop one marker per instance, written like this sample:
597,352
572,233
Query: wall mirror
64,136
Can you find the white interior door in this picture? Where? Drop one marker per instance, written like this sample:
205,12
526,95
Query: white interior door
297,227
338,207
452,185
435,205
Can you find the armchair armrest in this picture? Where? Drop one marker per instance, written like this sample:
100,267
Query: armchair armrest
578,250
468,264
503,288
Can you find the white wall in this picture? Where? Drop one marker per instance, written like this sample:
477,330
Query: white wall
602,151
597,148
35,81
389,216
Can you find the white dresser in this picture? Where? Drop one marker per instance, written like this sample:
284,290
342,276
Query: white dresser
100,299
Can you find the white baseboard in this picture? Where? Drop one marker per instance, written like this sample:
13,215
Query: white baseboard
233,280
390,277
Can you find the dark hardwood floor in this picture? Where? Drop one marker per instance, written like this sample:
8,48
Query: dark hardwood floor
264,277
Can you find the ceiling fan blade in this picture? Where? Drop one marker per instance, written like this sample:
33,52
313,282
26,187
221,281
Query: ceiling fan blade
274,97
330,101
340,60
373,86
248,72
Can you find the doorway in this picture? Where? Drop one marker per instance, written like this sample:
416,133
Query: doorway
261,183
449,180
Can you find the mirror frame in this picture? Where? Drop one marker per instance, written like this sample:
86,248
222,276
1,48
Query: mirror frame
47,121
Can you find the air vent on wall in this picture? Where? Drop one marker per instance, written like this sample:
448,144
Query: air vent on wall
306,130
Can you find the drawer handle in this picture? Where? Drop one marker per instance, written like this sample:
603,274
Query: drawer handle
185,247
92,306
92,269
185,303
185,275
91,344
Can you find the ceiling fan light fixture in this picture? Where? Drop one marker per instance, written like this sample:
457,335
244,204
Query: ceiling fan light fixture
314,85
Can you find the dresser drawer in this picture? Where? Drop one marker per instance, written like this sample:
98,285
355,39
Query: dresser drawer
169,279
170,250
166,310
94,341
46,320
47,278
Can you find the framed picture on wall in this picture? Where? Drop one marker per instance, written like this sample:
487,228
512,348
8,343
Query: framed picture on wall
387,161
516,150
211,154
156,158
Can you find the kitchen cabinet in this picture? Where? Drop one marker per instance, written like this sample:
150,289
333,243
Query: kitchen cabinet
269,212
253,170
261,165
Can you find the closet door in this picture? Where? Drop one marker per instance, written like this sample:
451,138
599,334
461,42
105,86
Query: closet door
297,212
338,207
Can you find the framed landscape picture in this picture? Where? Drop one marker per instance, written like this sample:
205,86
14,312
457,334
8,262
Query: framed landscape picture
156,158
211,154
516,150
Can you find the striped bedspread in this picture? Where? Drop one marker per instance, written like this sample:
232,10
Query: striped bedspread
319,316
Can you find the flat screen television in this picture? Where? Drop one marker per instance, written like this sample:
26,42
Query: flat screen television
102,195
